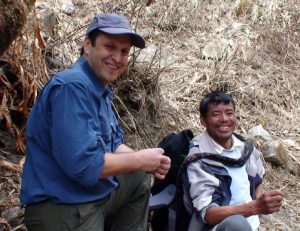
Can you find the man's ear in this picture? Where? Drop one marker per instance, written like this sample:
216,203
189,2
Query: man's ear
86,45
203,121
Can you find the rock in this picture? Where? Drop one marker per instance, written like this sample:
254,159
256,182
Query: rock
268,218
42,5
274,152
12,215
148,54
67,7
293,164
172,122
293,167
49,21
273,222
152,53
259,132
235,28
217,50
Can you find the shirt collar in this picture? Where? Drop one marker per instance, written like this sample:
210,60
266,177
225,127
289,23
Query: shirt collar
219,149
104,91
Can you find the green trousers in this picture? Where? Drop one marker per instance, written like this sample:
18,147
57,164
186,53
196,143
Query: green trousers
127,207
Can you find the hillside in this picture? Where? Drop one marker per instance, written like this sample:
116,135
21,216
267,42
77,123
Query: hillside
249,48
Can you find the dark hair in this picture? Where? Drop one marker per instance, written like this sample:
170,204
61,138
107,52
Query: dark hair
92,36
215,97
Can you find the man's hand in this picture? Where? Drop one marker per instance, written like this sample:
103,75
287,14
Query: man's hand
163,168
267,202
125,159
152,160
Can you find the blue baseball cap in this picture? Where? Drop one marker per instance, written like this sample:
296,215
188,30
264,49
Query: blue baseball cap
114,24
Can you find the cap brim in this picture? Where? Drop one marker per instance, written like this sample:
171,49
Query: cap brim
136,39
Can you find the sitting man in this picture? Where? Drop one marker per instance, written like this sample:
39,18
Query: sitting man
225,183
78,170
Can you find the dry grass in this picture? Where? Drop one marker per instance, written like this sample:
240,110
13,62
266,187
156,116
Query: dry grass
245,47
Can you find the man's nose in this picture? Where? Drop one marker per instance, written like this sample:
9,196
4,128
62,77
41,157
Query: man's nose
117,56
224,117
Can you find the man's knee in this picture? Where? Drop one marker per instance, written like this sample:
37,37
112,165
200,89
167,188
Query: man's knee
135,182
234,223
142,180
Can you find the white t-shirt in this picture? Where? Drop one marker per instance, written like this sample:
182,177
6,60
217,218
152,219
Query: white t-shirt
240,186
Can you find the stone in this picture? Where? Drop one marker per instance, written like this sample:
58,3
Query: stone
259,132
13,214
217,50
67,7
274,152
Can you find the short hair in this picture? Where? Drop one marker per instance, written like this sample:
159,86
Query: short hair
214,97
92,36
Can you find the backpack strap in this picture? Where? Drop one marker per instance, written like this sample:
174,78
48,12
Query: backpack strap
230,162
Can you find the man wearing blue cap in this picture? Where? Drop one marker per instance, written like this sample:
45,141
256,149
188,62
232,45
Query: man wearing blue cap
78,170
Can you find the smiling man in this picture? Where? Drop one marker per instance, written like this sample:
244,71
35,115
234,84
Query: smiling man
224,185
78,171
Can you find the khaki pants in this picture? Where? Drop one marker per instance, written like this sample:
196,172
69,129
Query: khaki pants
128,207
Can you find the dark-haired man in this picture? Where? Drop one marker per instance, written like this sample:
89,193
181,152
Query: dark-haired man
225,183
78,169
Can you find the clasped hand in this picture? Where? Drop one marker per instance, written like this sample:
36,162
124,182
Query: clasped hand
153,161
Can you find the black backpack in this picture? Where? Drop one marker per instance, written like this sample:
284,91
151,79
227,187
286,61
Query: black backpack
176,146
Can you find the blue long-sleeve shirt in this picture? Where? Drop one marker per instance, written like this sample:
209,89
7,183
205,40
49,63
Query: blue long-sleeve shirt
70,128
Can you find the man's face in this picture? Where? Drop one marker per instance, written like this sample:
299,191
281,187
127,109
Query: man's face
109,56
220,122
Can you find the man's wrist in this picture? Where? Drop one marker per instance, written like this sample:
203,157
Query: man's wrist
251,208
